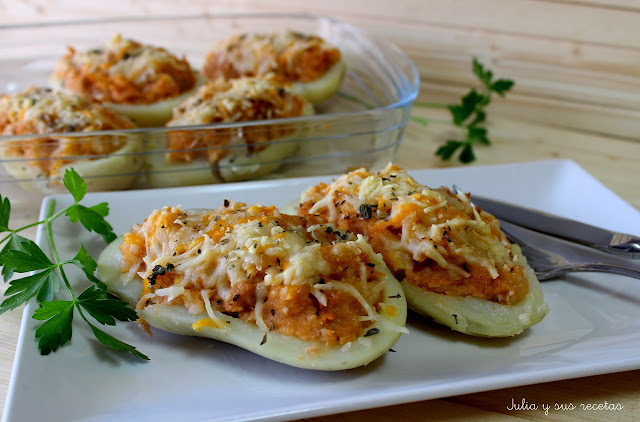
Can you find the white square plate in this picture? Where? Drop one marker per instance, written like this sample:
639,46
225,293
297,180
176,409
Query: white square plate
593,326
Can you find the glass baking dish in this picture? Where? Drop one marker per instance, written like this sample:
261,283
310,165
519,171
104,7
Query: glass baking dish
361,125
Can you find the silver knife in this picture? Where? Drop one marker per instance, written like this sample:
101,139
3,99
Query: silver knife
623,244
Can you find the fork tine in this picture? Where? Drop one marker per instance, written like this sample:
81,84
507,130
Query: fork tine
550,256
539,259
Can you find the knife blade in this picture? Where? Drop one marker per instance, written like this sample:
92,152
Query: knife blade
623,244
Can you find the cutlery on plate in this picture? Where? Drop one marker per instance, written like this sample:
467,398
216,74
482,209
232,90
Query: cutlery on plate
623,244
551,257
560,246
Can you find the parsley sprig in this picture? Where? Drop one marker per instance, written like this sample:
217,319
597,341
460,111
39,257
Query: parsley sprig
21,255
469,115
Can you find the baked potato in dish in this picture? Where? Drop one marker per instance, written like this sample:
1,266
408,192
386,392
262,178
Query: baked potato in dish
229,153
312,67
65,123
140,81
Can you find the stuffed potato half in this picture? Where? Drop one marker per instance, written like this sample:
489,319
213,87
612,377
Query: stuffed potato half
64,123
455,264
480,317
313,68
294,301
141,81
199,155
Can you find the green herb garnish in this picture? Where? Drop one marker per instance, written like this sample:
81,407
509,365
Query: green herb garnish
470,115
366,211
21,255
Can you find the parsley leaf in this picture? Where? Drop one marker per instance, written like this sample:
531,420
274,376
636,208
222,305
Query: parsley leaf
104,306
469,104
466,155
46,283
102,209
469,114
447,150
29,258
477,134
14,242
74,184
5,211
501,86
56,330
114,343
92,220
485,76
21,255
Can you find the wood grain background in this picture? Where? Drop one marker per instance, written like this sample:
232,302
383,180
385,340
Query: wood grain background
576,64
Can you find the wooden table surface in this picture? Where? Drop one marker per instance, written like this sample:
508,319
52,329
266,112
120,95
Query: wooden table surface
577,70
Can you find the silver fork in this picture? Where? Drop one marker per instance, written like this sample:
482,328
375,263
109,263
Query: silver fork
551,257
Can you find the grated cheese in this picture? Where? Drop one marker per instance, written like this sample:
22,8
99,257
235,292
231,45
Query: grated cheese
223,255
238,100
43,111
291,56
427,236
124,71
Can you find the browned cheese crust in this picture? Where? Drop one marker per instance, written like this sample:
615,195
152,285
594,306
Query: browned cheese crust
238,100
44,111
291,56
124,71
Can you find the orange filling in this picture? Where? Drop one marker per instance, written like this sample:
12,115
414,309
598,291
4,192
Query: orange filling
210,144
287,309
509,287
49,154
239,57
167,80
307,65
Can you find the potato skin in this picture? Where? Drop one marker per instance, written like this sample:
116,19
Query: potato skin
155,114
115,172
324,87
479,317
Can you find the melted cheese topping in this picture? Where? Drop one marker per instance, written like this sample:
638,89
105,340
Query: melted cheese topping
428,237
41,111
259,265
238,100
292,56
125,72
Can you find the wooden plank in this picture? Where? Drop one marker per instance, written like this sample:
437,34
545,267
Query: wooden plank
541,66
538,79
610,121
633,5
544,63
562,21
610,160
584,22
616,390
440,410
